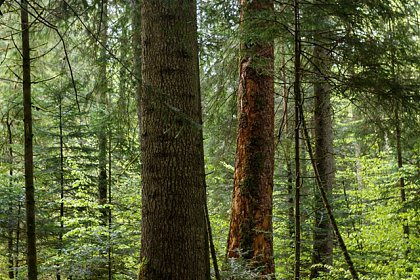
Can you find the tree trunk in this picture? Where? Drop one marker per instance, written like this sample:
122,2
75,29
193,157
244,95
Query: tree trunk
102,88
250,234
136,41
326,202
174,237
401,182
322,231
29,172
17,246
109,265
101,270
10,249
298,108
61,230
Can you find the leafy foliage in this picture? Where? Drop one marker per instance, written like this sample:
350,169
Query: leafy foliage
375,71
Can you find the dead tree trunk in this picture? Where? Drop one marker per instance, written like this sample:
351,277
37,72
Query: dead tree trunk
250,234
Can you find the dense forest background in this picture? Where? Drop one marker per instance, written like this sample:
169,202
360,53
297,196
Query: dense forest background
85,59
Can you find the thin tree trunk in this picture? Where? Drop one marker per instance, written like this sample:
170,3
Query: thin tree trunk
322,232
298,180
102,92
61,231
284,130
406,229
31,254
17,238
326,202
250,234
394,70
10,254
211,244
10,249
109,203
290,200
136,41
174,241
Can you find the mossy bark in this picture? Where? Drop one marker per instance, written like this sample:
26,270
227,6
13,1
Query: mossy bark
250,234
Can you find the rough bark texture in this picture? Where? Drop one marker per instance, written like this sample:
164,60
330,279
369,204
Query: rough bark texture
322,232
174,238
250,234
31,257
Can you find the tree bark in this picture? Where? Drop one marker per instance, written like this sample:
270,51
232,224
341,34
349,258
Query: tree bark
250,234
102,88
136,42
10,252
31,256
109,265
61,230
101,271
324,158
298,108
17,246
174,238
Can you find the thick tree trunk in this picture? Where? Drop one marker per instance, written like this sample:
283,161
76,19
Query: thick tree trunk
174,239
250,234
322,232
29,171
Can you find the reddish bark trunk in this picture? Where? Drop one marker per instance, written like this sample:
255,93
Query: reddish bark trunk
250,234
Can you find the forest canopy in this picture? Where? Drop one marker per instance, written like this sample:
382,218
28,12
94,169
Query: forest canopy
209,139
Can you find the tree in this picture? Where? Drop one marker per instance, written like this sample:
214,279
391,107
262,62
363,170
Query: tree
29,166
102,130
250,233
174,243
102,88
297,135
324,157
